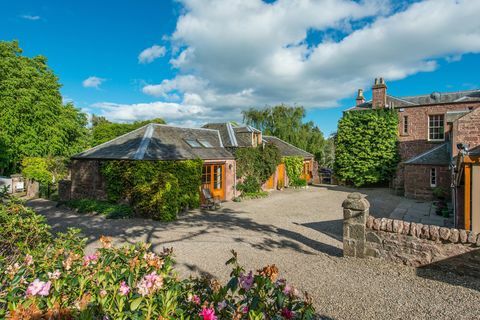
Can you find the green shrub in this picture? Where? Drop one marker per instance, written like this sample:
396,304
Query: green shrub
109,210
249,185
298,183
260,162
156,189
366,147
130,282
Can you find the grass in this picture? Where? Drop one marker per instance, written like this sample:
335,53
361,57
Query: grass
109,210
251,195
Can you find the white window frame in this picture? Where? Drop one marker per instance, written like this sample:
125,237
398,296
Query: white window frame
443,126
433,177
405,125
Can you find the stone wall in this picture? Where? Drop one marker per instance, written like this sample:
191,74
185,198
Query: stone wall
87,180
417,180
409,243
467,130
416,140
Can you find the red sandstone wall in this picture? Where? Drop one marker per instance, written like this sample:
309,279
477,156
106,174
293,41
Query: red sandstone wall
467,130
417,180
416,141
87,180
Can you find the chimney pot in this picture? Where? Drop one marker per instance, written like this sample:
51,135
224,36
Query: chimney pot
360,98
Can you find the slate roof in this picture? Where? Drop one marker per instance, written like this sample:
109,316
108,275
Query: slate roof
160,142
440,155
426,99
286,149
226,133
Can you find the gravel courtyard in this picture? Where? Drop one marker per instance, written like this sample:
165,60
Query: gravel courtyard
301,232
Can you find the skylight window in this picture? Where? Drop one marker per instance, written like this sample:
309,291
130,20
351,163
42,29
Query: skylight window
193,143
205,143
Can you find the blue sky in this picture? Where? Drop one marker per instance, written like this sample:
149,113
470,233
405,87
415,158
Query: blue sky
211,59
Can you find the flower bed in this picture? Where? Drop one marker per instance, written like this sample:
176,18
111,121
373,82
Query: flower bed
131,282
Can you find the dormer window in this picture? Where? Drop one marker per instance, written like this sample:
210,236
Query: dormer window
205,143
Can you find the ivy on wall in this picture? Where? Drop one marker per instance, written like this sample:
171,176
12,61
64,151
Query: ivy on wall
156,189
256,165
366,147
294,169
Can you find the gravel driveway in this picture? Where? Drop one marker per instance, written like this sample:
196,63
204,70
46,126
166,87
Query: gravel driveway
301,232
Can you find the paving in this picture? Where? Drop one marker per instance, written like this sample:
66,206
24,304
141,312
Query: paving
419,212
301,232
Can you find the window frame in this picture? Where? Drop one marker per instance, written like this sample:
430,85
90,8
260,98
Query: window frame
433,177
405,125
429,127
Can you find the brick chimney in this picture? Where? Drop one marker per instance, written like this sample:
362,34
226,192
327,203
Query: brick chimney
360,98
379,94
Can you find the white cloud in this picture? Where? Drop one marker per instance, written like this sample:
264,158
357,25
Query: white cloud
93,82
232,55
30,17
150,54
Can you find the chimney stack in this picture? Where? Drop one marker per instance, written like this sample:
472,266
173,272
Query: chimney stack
360,98
379,94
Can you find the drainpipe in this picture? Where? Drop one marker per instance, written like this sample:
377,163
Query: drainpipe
235,179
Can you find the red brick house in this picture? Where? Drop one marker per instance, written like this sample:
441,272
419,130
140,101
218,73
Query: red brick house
430,127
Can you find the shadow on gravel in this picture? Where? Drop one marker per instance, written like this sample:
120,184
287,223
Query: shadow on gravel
332,228
188,226
461,270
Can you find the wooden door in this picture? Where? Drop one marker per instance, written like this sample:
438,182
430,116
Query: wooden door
269,185
476,198
306,171
213,178
281,175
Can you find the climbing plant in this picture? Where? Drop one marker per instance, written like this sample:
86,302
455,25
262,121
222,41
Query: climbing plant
366,148
257,165
294,168
156,189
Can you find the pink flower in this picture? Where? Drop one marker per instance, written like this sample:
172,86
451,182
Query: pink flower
150,283
92,258
54,275
38,287
28,260
103,293
196,299
287,314
245,309
208,314
124,289
246,281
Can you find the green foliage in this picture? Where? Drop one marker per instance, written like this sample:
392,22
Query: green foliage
286,123
104,130
109,210
33,120
22,231
156,189
129,282
366,147
326,158
294,169
256,165
36,168
440,193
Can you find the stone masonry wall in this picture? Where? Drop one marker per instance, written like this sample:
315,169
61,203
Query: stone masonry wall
416,140
87,180
467,130
417,180
409,243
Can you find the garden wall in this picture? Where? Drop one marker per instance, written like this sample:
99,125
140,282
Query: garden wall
413,244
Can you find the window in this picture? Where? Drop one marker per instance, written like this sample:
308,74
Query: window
433,177
405,125
205,143
436,128
207,175
193,143
217,177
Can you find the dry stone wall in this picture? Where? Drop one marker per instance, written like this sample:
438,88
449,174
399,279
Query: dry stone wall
413,244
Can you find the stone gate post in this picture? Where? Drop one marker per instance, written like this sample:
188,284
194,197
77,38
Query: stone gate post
355,214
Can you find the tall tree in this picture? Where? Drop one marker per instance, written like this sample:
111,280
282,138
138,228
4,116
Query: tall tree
104,130
286,123
33,120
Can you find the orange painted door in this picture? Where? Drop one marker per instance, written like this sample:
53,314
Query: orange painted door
281,175
213,178
269,184
306,171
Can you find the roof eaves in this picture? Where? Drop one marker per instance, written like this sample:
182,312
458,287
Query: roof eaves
290,144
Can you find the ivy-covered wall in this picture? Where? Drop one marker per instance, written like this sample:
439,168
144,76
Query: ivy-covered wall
156,189
293,169
366,147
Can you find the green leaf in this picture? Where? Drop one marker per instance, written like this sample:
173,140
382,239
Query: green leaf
136,303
